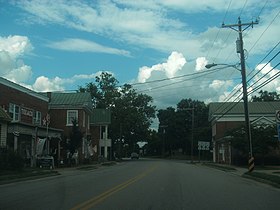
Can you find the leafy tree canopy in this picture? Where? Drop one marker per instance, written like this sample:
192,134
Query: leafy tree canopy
266,96
263,139
76,137
176,124
131,112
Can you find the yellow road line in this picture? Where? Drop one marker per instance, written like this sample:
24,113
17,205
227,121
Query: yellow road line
95,200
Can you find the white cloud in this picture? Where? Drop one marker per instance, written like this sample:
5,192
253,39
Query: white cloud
174,63
217,84
200,63
151,24
20,74
15,45
80,45
44,84
267,72
12,48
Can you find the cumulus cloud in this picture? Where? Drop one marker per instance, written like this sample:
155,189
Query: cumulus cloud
15,45
12,48
174,63
200,63
267,71
44,84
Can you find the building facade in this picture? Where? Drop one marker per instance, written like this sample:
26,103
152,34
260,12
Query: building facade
99,123
64,108
27,110
4,120
227,116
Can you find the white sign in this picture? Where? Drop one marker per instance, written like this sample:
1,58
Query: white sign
277,116
27,112
40,146
203,145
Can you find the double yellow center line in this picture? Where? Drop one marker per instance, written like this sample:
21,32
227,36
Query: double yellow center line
95,200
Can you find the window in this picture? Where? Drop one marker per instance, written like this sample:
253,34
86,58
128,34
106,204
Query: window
71,115
36,117
14,112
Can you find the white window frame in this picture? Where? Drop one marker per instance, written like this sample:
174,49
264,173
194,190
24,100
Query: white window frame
70,118
12,110
84,119
37,117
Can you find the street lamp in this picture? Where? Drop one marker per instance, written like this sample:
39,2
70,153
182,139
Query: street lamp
208,66
245,99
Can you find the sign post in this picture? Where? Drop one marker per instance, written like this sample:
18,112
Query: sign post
202,145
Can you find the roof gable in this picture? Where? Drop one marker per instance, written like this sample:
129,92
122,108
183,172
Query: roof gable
70,100
20,88
263,121
237,108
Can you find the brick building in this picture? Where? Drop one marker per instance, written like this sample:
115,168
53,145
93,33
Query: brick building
27,110
227,116
4,120
63,109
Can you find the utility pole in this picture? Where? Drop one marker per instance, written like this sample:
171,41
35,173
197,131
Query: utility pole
192,135
240,50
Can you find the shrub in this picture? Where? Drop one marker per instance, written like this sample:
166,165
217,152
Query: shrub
10,160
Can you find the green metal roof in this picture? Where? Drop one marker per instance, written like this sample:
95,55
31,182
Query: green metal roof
100,117
237,108
70,100
4,116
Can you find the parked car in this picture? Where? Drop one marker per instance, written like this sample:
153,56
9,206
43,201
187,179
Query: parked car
134,155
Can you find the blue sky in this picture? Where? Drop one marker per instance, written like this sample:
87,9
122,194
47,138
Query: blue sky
58,45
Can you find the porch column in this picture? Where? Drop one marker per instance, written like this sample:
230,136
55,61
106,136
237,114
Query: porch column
105,141
214,152
15,143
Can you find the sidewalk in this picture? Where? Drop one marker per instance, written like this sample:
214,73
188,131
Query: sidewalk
269,174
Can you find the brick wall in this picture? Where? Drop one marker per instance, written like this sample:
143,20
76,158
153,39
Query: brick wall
26,102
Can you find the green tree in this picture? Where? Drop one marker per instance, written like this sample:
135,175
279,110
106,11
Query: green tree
76,137
179,125
131,112
263,140
266,96
104,91
168,130
154,145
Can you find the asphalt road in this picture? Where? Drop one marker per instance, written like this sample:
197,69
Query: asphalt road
141,184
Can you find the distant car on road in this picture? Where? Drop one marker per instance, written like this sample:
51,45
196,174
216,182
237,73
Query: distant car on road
134,155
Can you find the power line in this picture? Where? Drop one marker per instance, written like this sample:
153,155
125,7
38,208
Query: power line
218,30
205,73
264,31
171,78
267,81
260,69
264,66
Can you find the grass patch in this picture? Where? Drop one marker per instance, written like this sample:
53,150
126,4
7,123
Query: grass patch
87,168
220,167
26,174
273,180
266,168
108,163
